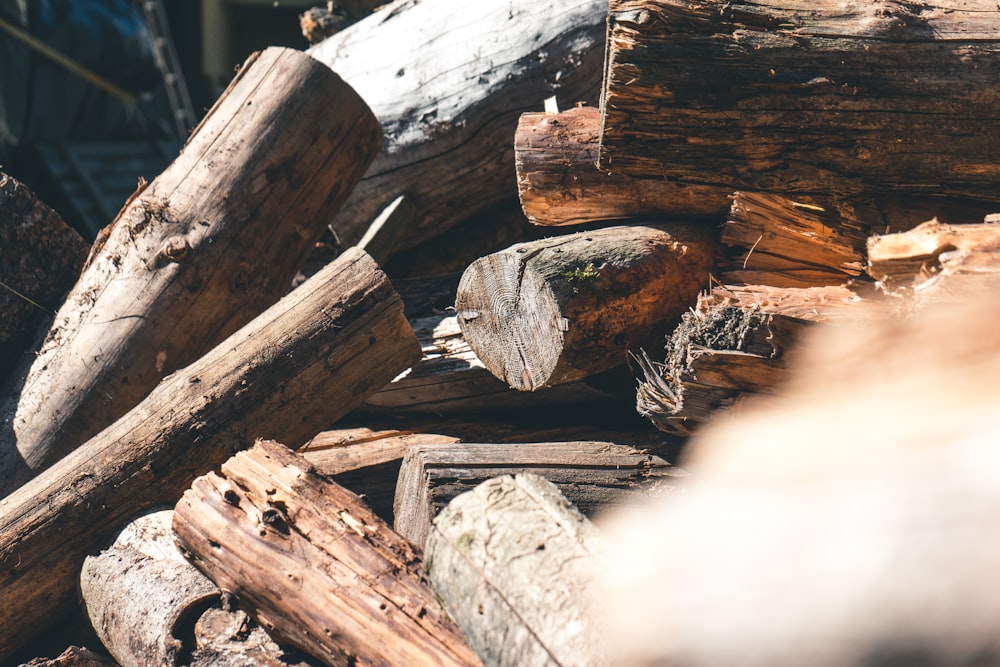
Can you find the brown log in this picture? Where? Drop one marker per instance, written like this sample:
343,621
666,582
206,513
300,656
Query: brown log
314,564
735,343
196,254
512,561
592,475
150,606
299,366
849,520
773,240
40,259
560,309
559,182
449,79
74,656
783,97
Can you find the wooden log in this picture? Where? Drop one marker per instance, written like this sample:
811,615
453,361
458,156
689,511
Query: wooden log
560,309
559,182
150,606
40,259
314,563
449,79
512,561
74,656
851,517
593,475
773,240
734,343
299,366
196,254
783,97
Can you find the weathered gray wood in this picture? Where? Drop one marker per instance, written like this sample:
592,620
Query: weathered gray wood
559,182
299,366
592,475
557,310
449,79
150,606
314,563
40,259
513,561
827,98
194,255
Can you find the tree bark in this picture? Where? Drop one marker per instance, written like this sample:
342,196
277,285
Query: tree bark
297,367
832,100
778,241
314,563
559,182
735,343
150,606
40,259
449,79
592,475
560,309
196,254
512,561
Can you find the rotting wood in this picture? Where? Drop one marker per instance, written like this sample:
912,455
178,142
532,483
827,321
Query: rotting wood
294,369
194,255
827,99
513,561
314,564
449,79
40,259
559,182
592,475
558,310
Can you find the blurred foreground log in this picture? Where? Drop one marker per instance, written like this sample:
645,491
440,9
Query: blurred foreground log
512,561
299,366
560,309
196,254
314,564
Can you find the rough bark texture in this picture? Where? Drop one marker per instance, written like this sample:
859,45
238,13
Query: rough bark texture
559,182
40,259
557,310
196,254
150,606
849,521
935,262
449,79
314,563
773,240
592,475
74,656
299,366
832,99
735,342
512,561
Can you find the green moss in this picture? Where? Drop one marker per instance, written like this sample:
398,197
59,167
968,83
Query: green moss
580,276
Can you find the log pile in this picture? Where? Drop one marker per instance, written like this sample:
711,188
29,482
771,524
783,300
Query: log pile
393,335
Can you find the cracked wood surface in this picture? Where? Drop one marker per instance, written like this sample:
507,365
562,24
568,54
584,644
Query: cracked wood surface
315,564
514,564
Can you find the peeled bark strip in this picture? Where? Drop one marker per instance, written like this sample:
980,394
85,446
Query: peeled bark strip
787,243
302,364
734,343
832,99
591,474
149,606
559,182
314,563
40,259
513,561
449,79
557,310
196,254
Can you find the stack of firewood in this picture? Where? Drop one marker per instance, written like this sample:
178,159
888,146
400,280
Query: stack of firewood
725,177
